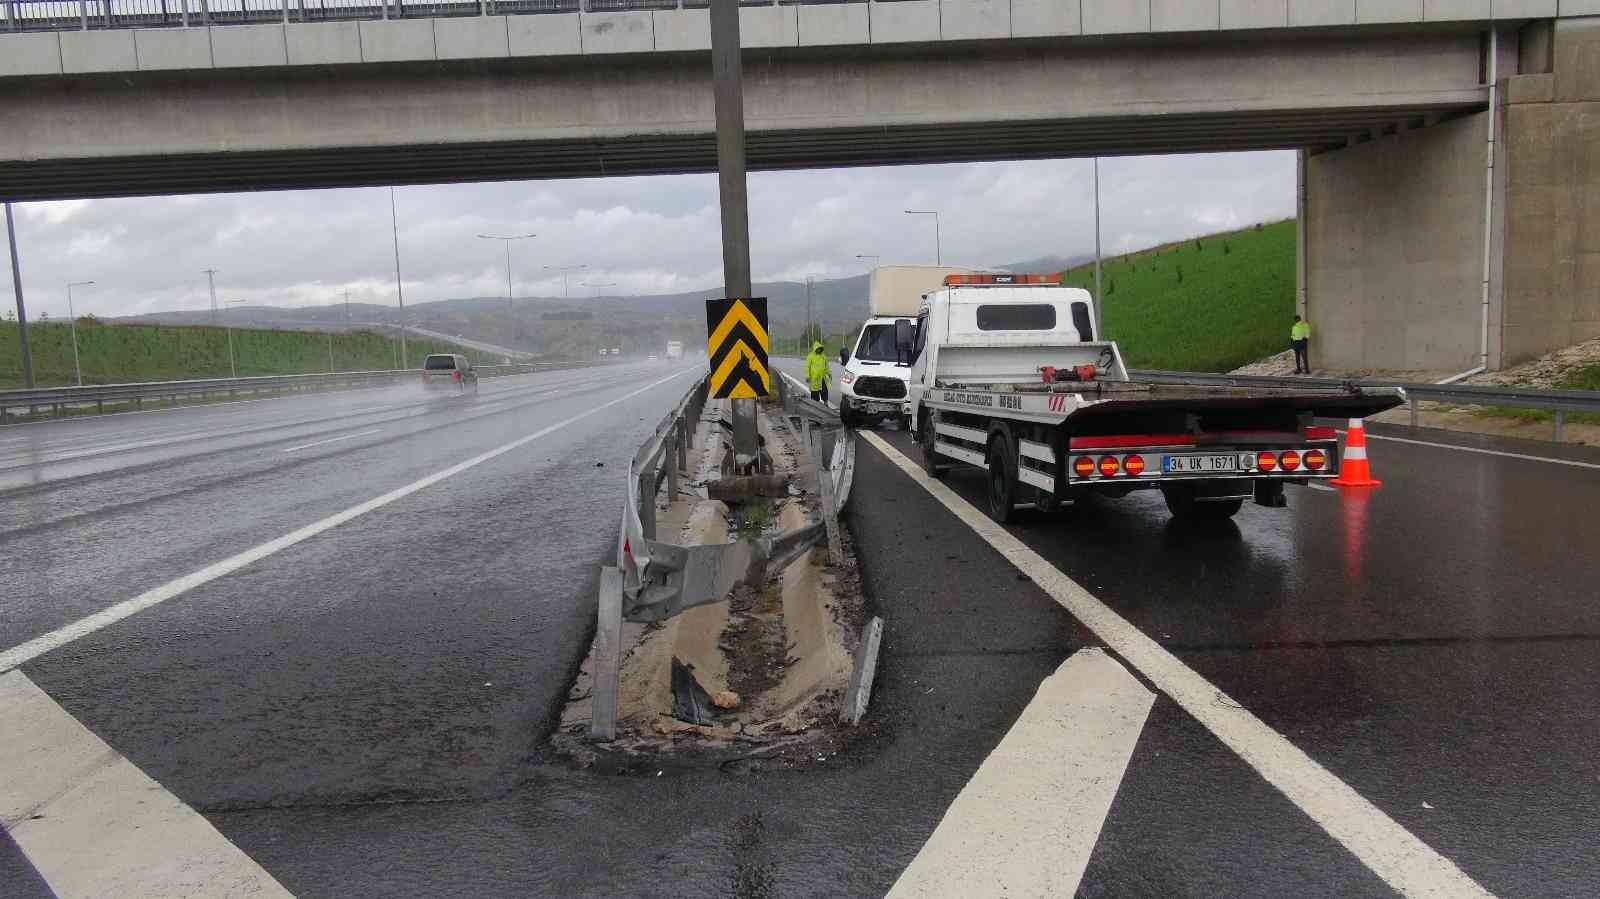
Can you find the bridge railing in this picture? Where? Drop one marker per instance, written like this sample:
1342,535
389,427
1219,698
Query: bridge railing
88,15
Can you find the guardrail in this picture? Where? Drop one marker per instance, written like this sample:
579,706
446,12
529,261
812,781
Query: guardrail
654,580
1559,402
90,15
98,395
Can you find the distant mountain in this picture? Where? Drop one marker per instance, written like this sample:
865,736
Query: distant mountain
576,327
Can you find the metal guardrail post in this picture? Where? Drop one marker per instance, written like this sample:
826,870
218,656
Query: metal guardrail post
1561,426
108,12
184,13
647,501
672,457
1416,415
607,657
11,15
83,14
205,13
830,512
683,441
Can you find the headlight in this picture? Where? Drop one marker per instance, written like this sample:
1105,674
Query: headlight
847,379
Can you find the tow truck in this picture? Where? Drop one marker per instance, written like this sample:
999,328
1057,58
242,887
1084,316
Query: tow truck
1009,376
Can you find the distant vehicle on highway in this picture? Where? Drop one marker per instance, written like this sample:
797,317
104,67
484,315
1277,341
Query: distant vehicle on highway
674,349
449,372
1007,375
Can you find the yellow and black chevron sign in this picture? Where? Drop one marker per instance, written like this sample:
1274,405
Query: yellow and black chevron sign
738,347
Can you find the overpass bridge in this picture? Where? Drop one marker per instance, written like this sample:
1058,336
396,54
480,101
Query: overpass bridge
1389,102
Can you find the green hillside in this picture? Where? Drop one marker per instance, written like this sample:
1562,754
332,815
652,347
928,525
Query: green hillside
1210,304
114,354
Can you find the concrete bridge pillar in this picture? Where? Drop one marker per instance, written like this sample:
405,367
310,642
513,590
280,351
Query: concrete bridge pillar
1392,224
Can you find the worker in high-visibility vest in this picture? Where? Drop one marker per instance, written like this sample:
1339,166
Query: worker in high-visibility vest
817,372
1300,340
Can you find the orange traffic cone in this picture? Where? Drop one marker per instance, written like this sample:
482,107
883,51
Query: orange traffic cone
1354,470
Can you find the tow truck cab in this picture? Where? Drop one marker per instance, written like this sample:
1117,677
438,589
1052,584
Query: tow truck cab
1008,375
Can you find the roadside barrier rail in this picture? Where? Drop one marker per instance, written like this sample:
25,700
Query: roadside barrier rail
98,395
1557,402
653,580
93,15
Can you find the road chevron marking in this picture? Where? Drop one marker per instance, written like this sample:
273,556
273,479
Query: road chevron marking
1028,820
38,646
93,824
1404,862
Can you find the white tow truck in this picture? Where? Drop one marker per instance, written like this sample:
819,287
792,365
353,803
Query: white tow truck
1007,375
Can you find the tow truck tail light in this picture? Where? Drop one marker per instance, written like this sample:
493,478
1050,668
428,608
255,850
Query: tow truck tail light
1083,466
1320,433
1133,465
1315,460
1110,467
1266,461
1290,460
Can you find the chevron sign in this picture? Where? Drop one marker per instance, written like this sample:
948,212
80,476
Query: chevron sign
737,346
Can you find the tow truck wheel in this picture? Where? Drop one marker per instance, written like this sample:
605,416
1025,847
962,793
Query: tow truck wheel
926,437
1183,504
1002,479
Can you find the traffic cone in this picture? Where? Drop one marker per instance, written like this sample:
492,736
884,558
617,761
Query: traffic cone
1354,470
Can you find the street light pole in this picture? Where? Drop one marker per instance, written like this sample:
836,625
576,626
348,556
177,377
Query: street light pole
233,369
1099,298
399,289
22,309
72,319
938,251
565,270
211,281
507,241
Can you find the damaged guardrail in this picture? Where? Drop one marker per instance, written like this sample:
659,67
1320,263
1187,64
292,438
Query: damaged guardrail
654,580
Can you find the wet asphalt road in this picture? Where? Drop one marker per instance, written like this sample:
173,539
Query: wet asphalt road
363,713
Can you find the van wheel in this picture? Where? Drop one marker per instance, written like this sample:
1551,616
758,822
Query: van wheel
1184,505
926,437
846,417
1002,479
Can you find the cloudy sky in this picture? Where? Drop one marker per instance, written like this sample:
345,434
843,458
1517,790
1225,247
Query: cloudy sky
638,235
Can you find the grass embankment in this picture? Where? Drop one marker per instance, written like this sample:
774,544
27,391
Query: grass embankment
1207,304
118,354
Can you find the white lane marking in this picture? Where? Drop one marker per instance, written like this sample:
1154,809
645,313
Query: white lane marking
1487,452
93,824
1028,820
27,652
331,440
1404,862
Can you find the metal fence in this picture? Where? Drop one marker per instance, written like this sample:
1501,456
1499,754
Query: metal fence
55,399
1558,402
86,15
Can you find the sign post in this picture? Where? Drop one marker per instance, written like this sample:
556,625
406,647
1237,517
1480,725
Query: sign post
728,84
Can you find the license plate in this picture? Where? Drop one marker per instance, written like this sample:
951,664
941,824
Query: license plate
1197,464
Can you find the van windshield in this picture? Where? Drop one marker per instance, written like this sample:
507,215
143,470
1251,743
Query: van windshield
877,344
440,363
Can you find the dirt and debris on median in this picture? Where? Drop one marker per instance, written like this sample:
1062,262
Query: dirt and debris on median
756,680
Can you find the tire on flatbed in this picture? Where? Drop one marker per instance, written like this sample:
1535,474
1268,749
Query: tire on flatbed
1002,459
1184,504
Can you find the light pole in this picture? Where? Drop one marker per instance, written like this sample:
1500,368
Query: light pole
938,253
22,310
72,318
507,241
1099,298
565,270
399,289
211,282
233,370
